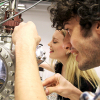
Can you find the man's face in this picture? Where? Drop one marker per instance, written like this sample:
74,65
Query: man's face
86,48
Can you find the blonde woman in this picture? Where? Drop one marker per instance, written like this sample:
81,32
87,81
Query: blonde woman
66,65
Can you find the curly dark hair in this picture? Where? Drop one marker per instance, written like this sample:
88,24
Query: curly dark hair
64,10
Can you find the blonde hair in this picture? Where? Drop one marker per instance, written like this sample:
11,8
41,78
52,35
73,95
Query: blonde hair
73,73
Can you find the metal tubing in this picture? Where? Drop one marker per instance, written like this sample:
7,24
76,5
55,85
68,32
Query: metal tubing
20,12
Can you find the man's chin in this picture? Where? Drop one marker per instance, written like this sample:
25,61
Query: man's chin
87,64
83,67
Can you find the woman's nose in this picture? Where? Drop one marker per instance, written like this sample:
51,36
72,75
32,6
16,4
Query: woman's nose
49,44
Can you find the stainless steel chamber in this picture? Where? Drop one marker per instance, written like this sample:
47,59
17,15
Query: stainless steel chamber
8,9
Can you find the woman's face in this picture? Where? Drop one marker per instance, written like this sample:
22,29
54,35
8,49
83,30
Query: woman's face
57,49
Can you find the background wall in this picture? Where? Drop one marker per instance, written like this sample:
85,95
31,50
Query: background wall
40,16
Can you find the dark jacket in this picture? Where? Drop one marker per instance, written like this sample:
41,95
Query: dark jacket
85,85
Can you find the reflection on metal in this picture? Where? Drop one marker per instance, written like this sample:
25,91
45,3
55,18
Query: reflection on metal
3,73
40,54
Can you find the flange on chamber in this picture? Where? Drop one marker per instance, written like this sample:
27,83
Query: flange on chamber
7,72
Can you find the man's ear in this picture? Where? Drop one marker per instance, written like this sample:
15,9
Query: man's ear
98,27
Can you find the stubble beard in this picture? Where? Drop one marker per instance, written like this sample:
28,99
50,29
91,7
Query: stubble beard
92,59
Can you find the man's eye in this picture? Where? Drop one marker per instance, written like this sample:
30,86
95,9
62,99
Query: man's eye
67,30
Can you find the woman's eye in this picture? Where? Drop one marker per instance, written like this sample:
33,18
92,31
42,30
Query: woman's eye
54,42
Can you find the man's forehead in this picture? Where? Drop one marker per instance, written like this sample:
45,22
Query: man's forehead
68,23
71,21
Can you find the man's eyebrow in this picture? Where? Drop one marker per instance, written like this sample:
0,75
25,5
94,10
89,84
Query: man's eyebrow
65,23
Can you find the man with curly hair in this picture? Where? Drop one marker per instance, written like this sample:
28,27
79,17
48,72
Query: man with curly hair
81,20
